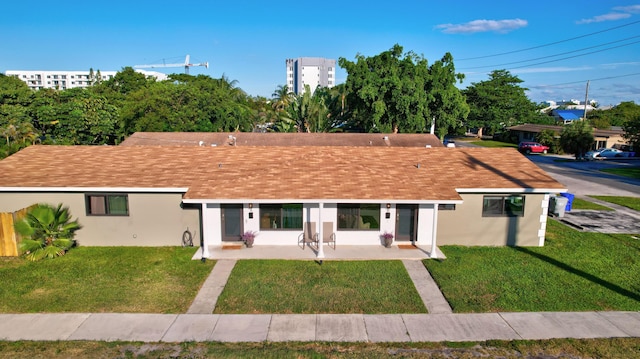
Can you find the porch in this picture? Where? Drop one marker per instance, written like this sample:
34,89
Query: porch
344,252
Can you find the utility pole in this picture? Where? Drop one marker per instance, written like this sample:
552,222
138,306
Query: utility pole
586,98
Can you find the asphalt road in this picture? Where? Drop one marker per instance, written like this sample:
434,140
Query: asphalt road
586,178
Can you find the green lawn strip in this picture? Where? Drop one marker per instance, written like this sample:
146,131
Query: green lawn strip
579,203
556,348
629,202
574,271
492,143
286,286
631,172
104,279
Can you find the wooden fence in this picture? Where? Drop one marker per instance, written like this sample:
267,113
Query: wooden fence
8,237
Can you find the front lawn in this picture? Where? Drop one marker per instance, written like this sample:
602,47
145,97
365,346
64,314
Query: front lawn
610,348
281,286
104,279
494,144
579,203
631,172
574,271
629,202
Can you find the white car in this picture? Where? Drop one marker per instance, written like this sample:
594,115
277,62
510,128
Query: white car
604,153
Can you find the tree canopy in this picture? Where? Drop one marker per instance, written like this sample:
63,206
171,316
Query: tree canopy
397,91
498,103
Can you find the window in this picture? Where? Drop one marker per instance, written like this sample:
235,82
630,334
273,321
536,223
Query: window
358,216
107,204
503,206
281,216
446,207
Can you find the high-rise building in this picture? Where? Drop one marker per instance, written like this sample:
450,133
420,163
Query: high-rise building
313,71
63,80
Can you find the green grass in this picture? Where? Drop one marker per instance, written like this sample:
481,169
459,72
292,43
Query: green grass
579,203
631,172
629,202
612,348
104,279
574,271
281,286
492,143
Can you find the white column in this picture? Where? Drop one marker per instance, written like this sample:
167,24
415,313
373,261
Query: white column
433,253
320,239
205,230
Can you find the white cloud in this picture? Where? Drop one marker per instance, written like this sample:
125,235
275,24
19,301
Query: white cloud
500,26
606,17
633,9
620,12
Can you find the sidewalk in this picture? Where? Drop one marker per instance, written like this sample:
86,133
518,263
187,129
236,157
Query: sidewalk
318,327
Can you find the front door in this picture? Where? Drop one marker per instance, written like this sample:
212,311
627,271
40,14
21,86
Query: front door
231,222
406,219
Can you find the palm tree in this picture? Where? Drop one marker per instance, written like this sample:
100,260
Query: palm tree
47,232
282,98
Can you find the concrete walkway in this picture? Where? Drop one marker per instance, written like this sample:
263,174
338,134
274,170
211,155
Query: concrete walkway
427,288
318,327
205,301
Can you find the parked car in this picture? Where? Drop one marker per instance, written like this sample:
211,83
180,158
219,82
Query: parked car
604,153
449,143
532,147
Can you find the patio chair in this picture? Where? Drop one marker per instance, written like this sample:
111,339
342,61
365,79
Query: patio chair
308,235
328,236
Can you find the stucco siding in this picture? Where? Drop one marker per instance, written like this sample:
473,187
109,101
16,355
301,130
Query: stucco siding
155,219
465,225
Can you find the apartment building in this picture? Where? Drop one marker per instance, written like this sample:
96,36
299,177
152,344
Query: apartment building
63,80
313,71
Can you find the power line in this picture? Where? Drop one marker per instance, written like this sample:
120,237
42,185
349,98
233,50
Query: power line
550,56
571,57
583,81
549,44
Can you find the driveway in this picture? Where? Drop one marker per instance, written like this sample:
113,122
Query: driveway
586,178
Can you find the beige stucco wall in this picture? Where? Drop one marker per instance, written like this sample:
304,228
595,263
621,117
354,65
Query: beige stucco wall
466,226
155,219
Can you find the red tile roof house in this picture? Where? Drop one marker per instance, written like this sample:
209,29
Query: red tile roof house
149,195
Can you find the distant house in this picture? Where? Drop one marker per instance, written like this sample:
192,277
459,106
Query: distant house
602,138
567,116
149,195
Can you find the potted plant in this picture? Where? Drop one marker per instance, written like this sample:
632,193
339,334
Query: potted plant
248,237
387,239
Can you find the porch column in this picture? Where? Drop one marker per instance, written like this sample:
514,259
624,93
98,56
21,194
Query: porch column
205,229
320,239
433,253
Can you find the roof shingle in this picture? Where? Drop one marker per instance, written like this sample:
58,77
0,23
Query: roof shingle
278,173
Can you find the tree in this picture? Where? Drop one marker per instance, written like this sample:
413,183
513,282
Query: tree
498,103
577,138
548,138
387,91
632,132
396,91
47,232
446,103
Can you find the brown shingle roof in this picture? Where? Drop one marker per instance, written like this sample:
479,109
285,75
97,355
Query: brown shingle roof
278,173
281,139
535,128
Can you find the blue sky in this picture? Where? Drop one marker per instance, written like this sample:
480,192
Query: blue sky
248,41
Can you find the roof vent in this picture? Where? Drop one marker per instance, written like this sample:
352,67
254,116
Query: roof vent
427,146
201,143
386,138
